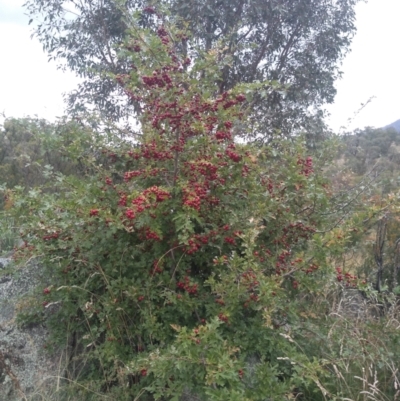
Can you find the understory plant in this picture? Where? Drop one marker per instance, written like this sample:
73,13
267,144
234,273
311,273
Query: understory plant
176,263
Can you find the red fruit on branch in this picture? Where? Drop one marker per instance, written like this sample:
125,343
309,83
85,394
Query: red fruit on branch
130,214
223,318
149,10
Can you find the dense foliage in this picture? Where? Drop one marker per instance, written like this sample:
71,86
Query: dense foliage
183,263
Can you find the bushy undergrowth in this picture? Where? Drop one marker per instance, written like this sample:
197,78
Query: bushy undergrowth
188,263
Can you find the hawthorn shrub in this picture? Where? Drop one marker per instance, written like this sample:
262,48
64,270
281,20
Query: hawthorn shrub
175,265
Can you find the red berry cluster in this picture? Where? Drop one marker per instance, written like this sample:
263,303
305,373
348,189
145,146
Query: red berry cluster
122,199
249,279
223,318
202,167
234,156
348,278
203,176
261,255
269,185
163,35
222,136
252,298
94,212
144,201
152,151
149,10
245,170
158,79
187,286
131,174
191,199
48,237
130,214
311,268
281,264
199,240
152,235
230,240
307,165
194,246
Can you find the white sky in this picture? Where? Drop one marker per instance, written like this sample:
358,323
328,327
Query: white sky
372,68
29,85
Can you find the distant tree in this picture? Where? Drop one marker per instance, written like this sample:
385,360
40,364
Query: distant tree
296,43
18,145
371,158
28,145
372,148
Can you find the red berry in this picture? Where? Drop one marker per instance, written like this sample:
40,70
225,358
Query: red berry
149,10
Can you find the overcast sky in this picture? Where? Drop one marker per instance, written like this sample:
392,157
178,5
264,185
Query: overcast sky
29,85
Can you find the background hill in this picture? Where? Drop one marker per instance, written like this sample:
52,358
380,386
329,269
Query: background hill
395,125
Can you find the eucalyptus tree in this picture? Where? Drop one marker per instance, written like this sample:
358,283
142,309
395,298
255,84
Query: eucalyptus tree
297,44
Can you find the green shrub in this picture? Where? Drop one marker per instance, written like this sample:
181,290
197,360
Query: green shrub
180,262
